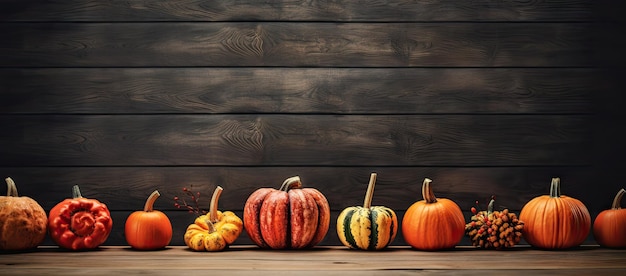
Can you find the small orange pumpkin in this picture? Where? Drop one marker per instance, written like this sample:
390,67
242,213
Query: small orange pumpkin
23,221
433,224
609,228
555,221
148,229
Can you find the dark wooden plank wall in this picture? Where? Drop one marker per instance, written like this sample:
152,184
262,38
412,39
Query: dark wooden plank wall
484,97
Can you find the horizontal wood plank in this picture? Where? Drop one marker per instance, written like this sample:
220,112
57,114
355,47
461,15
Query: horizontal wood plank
127,188
286,140
299,90
286,10
296,44
326,260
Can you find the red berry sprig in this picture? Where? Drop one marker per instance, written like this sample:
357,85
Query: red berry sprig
195,197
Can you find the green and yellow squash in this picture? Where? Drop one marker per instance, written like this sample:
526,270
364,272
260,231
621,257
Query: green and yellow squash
368,227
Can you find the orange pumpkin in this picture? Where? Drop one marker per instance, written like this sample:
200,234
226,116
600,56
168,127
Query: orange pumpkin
555,221
433,223
23,221
148,229
291,217
609,228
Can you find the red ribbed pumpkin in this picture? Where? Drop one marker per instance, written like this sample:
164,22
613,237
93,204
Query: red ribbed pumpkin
555,221
609,228
290,217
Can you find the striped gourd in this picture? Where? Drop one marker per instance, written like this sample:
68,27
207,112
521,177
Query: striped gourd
367,227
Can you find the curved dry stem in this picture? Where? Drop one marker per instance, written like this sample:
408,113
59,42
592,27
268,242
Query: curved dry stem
293,182
427,191
213,205
150,202
618,199
11,188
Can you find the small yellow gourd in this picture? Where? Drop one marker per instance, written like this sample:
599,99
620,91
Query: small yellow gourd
215,230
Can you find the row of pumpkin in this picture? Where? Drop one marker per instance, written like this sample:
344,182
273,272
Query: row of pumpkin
295,217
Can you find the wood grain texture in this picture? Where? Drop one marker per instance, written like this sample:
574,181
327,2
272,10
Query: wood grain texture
127,188
283,140
296,44
289,10
327,260
485,97
299,90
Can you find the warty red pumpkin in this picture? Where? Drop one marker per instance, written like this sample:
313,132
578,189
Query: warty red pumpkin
79,223
290,217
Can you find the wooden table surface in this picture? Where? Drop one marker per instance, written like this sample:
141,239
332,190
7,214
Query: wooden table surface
329,260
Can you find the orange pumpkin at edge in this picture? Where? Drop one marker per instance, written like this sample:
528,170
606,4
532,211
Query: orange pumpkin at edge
555,221
609,227
22,220
148,229
433,223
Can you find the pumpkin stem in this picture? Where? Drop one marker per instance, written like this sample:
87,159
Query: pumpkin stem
618,199
11,188
555,187
367,203
210,225
150,202
76,192
427,191
291,183
490,206
213,205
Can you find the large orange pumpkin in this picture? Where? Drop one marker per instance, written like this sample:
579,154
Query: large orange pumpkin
555,221
148,229
23,221
609,228
290,217
433,223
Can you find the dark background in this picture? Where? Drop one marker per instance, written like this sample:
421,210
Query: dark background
484,97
